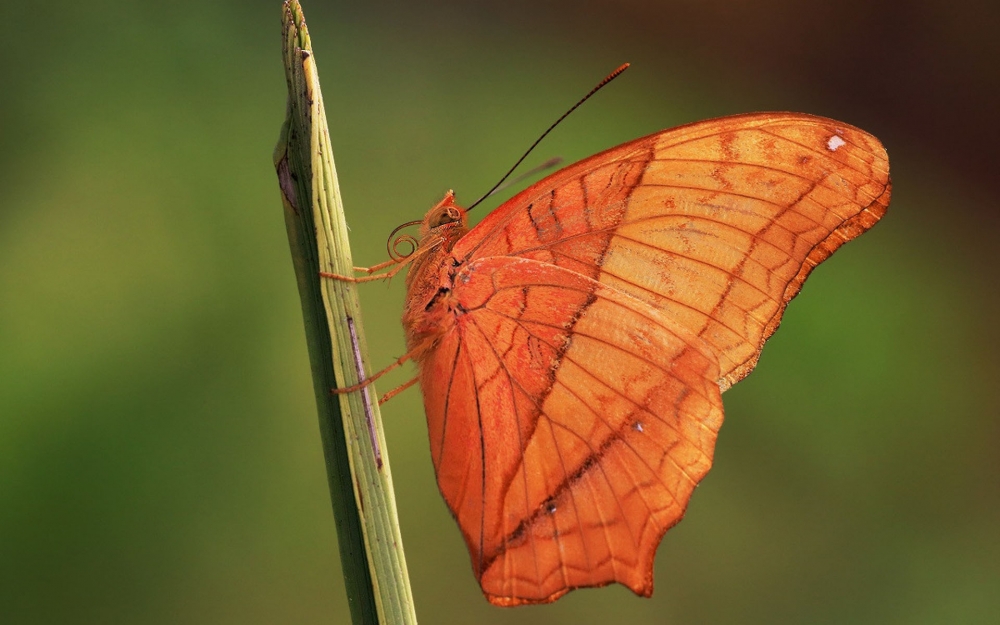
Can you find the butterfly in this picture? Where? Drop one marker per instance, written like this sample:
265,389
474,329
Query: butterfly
573,346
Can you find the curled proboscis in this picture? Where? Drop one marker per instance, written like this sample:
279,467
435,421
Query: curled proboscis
394,243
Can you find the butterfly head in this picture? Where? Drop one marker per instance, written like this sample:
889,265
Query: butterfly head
446,219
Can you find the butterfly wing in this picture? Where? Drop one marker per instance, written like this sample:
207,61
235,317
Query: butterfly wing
589,323
569,423
717,223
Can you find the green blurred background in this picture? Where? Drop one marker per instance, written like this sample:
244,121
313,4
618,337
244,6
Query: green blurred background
159,452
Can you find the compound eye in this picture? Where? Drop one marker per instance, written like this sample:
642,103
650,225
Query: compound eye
449,215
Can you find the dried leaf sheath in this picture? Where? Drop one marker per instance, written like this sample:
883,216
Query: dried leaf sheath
573,345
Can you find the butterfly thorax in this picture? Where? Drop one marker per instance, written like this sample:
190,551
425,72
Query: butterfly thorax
428,281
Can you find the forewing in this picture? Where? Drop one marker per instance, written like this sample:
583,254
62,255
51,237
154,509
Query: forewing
569,424
717,223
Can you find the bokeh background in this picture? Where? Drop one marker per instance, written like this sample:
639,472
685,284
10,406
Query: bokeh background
159,451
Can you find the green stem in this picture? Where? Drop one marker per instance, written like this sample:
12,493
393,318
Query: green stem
364,506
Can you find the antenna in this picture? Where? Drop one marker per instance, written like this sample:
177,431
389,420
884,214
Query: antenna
601,84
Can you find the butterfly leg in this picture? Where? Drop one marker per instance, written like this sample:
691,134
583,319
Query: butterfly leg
360,385
396,391
378,267
369,278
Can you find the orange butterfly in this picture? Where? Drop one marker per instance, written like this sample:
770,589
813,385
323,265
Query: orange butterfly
573,346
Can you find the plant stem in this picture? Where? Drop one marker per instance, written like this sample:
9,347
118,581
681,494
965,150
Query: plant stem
360,481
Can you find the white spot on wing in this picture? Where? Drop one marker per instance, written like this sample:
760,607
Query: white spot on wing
835,142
